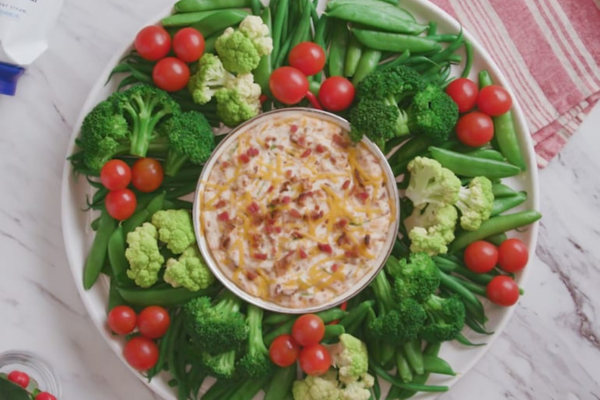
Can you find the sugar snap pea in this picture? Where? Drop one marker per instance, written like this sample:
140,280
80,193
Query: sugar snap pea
337,50
281,383
144,215
333,331
497,239
263,71
397,42
114,297
397,12
488,154
185,19
464,165
185,6
353,54
116,256
165,296
219,20
501,190
367,64
98,251
413,354
506,203
377,18
437,365
404,371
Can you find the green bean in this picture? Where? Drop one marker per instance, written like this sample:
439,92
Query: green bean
219,389
98,251
469,63
321,32
404,371
248,389
432,30
460,269
186,6
501,190
163,296
282,10
496,240
94,224
412,351
314,87
506,203
397,42
333,331
353,54
464,165
118,261
220,20
395,62
446,38
263,71
473,287
164,344
144,215
281,383
488,154
409,386
337,50
327,316
471,301
398,12
356,316
436,365
493,226
303,24
256,7
366,65
377,18
114,298
466,342
185,19
448,51
276,319
476,326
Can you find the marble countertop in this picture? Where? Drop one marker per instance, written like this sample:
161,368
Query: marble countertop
550,349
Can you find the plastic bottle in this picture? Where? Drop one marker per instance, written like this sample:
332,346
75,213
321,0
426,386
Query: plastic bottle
24,29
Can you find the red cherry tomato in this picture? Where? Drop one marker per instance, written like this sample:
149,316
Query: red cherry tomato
120,204
475,129
122,320
19,378
308,329
44,396
315,360
153,43
308,57
141,353
503,291
512,255
481,256
171,74
147,175
464,93
288,85
336,93
115,174
153,322
188,44
494,100
284,351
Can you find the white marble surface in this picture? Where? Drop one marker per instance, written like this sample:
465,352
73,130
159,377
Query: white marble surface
549,350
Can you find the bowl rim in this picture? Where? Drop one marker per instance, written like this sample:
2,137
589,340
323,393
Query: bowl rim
359,285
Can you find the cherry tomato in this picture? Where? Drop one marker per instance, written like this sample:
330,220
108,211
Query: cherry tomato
308,329
120,204
122,320
512,255
115,174
153,43
171,74
336,93
481,256
503,291
308,57
494,100
315,360
19,378
188,45
475,129
464,93
153,322
288,85
141,353
44,396
147,175
284,351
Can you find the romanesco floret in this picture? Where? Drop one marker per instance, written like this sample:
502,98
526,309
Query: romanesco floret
324,387
143,255
189,271
210,77
239,101
175,229
351,357
431,183
475,203
253,27
237,52
430,228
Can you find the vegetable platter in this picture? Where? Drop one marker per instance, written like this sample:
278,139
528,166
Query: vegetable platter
407,77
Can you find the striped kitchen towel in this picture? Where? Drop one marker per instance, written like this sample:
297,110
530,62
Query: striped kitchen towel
549,50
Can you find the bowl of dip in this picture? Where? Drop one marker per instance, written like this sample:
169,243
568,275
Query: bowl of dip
293,217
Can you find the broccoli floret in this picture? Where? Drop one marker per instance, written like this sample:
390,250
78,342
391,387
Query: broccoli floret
416,278
144,106
317,387
445,318
143,255
221,366
239,101
432,113
210,77
189,271
374,119
216,327
237,52
190,140
350,356
395,83
431,183
475,203
256,363
431,228
253,27
175,229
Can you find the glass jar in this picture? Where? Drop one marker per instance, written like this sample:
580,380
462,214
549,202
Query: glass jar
38,370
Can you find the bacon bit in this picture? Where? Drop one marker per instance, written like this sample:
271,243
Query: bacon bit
343,239
341,224
284,187
317,215
317,207
270,189
297,235
267,142
325,248
302,254
283,265
253,208
367,240
359,178
295,213
251,275
334,268
303,196
243,158
224,216
268,229
252,152
306,153
271,217
286,200
225,165
333,160
351,253
340,141
346,185
293,128
258,220
288,173
362,196
277,229
221,204
320,148
224,242
259,256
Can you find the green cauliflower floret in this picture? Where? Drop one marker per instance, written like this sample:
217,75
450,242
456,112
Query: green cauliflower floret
189,271
253,27
350,356
431,228
210,77
239,101
431,183
237,51
175,229
324,387
143,255
475,203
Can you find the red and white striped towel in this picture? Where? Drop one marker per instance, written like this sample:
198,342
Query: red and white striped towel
550,52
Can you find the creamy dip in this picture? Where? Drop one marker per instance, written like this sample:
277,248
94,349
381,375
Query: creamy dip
293,212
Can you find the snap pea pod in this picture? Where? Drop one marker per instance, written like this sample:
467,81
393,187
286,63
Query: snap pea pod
506,203
275,319
501,190
356,316
220,20
327,316
256,7
114,297
264,69
397,12
281,383
337,50
186,6
164,296
333,331
464,165
368,63
353,54
404,371
505,132
432,349
377,18
321,31
144,215
397,42
488,154
437,365
185,19
412,352
493,226
118,261
98,251
496,240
